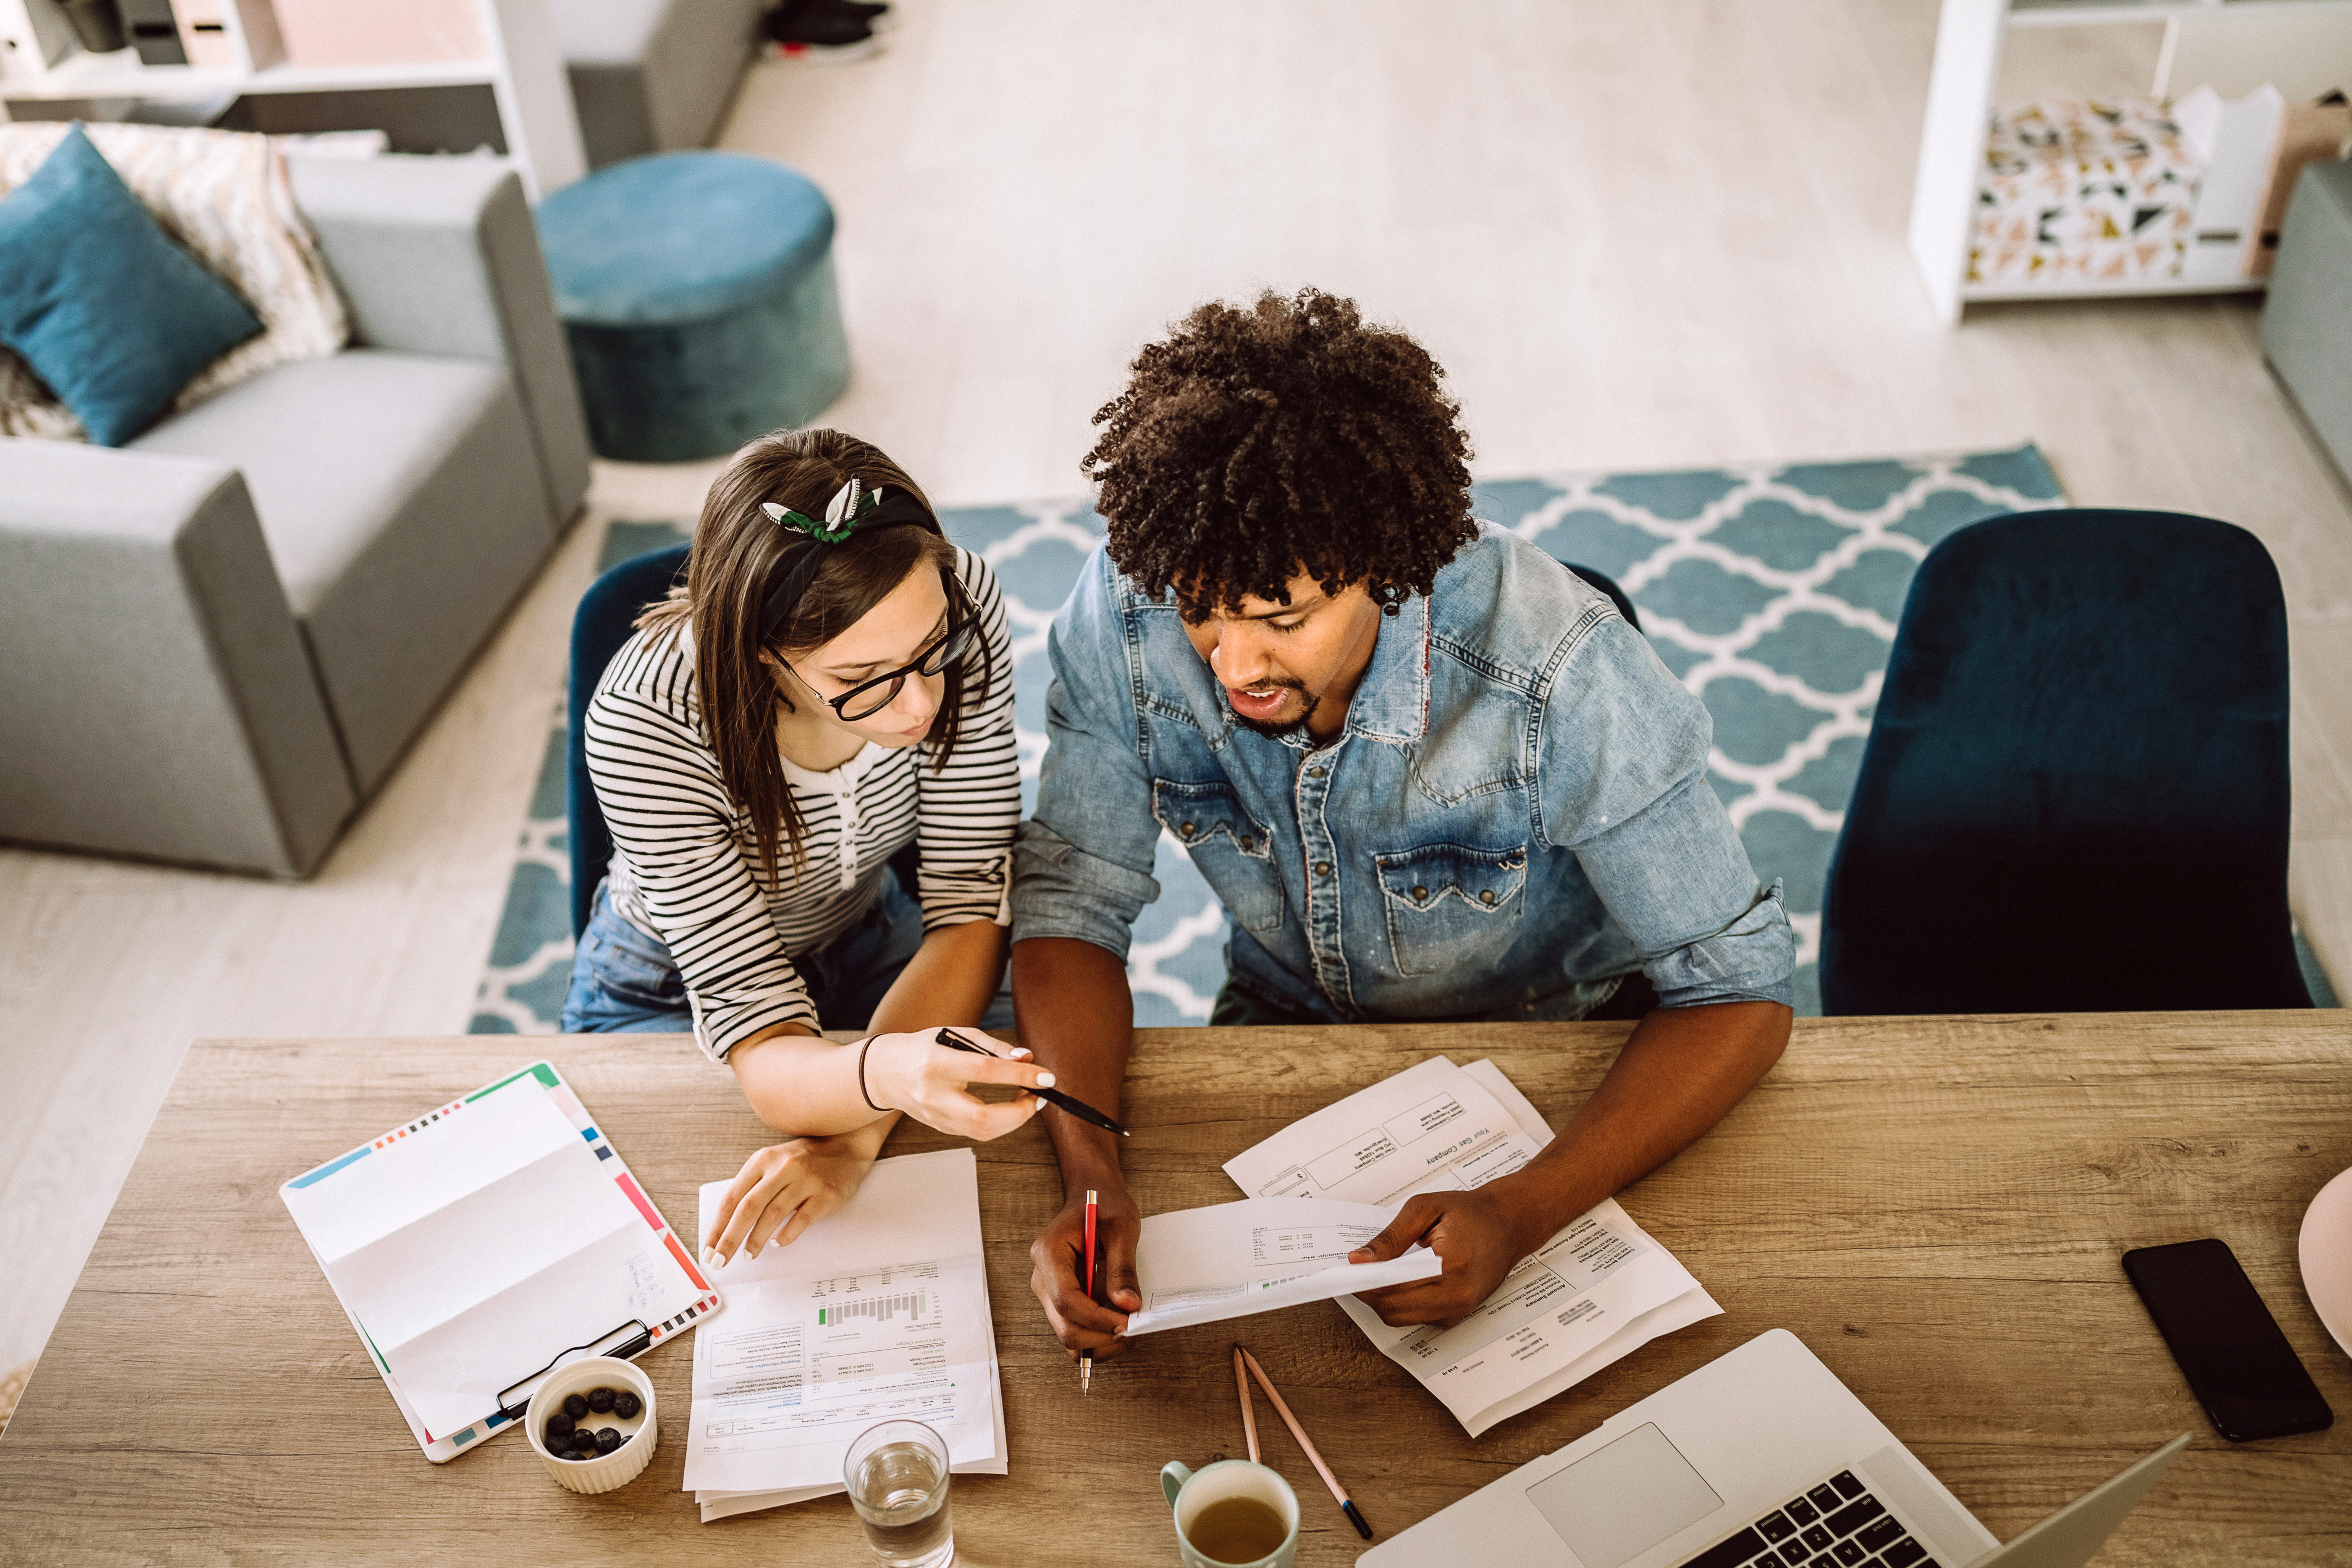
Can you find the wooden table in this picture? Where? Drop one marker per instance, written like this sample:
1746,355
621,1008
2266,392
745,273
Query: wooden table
1935,1206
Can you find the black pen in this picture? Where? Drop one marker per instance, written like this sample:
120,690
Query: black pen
1079,1108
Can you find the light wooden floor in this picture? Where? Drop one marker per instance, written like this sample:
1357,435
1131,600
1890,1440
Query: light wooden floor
1637,234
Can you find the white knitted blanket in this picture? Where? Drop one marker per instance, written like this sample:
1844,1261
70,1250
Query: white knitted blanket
224,195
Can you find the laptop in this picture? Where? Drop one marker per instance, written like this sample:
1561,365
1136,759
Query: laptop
1762,1458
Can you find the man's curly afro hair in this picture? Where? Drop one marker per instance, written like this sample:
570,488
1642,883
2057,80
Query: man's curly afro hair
1292,437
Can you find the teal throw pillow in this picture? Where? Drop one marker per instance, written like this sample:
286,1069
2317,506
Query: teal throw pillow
106,308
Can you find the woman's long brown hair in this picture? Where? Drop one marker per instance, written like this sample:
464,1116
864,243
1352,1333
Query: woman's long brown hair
735,548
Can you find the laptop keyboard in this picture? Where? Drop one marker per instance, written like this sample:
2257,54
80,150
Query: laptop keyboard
1837,1524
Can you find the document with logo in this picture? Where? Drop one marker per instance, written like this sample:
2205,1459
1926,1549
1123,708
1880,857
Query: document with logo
1600,1289
879,1312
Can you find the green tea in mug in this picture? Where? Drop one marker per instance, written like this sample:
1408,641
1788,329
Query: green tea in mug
1237,1530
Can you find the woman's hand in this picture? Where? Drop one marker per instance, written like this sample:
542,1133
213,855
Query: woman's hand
786,1188
913,1073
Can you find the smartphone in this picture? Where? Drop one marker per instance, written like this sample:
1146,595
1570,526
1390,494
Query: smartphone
2240,1365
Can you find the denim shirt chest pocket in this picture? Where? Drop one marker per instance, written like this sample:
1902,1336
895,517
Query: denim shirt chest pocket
1452,906
1234,852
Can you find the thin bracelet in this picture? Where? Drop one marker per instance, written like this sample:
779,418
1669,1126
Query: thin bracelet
880,1110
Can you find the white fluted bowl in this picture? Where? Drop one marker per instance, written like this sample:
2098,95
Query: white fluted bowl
607,1471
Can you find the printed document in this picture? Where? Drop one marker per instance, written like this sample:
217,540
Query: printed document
1229,1261
879,1312
1599,1289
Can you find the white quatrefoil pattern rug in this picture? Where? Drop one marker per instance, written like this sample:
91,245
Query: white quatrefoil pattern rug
1773,592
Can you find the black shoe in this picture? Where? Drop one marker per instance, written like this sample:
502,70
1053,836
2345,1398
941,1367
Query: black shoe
820,24
796,16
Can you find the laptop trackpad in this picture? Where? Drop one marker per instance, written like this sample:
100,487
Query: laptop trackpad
1612,1506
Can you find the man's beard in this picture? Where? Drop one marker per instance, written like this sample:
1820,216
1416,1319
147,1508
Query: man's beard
1288,726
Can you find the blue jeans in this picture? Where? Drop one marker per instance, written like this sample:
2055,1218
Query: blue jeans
624,982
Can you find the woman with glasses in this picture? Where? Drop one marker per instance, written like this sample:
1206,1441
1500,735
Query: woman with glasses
832,683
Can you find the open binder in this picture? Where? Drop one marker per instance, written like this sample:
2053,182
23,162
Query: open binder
488,1242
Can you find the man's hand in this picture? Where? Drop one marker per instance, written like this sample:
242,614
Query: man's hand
1057,1272
1679,1073
1474,1233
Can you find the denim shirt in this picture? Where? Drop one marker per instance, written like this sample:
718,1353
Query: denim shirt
1515,816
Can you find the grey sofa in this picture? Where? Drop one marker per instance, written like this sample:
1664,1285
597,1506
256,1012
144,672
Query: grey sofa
2307,319
652,76
217,641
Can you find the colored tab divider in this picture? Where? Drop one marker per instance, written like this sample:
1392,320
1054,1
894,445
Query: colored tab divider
540,1070
653,1218
331,1167
686,1263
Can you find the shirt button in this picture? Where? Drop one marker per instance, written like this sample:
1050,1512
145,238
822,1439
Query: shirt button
1488,897
1322,867
1248,844
1186,830
1420,893
1315,772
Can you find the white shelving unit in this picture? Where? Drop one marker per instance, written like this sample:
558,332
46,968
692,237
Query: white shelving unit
2301,46
524,70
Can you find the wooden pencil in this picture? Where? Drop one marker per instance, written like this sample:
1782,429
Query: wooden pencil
1347,1503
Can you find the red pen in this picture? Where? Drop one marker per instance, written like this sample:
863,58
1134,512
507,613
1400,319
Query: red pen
1087,1358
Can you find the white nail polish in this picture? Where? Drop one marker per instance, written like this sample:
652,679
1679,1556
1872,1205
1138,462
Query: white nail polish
1044,1081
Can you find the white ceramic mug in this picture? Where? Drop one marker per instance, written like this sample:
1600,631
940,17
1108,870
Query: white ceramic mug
1190,1491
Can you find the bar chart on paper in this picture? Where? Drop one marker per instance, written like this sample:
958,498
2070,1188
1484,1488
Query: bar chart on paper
855,1297
879,1308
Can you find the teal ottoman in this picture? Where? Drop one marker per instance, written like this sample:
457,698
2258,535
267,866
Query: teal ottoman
696,290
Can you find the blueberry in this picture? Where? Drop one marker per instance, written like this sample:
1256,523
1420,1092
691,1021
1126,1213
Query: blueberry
575,1407
584,1444
600,1400
608,1439
627,1404
559,1430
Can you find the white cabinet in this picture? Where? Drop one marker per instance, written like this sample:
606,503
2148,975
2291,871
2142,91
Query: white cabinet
513,52
2304,48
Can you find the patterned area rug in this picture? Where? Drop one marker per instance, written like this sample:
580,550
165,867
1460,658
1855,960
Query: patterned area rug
1772,592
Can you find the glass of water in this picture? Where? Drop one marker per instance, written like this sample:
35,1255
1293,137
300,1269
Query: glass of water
897,1478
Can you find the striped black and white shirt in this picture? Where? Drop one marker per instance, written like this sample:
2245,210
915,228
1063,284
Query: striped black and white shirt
685,865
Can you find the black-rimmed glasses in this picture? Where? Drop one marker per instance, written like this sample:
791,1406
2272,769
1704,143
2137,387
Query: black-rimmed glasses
869,698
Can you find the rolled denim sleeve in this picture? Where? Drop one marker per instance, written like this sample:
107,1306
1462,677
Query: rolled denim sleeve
1082,864
1625,786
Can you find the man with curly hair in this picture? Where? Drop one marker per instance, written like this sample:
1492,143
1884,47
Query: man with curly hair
1429,773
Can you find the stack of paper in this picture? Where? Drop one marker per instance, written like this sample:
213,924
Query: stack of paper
1229,1261
879,1312
1599,1289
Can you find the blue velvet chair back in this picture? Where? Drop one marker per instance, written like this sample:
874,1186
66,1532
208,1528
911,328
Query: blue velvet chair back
606,616
2074,794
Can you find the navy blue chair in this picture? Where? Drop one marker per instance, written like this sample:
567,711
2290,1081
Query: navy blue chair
606,616
1608,584
2074,794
